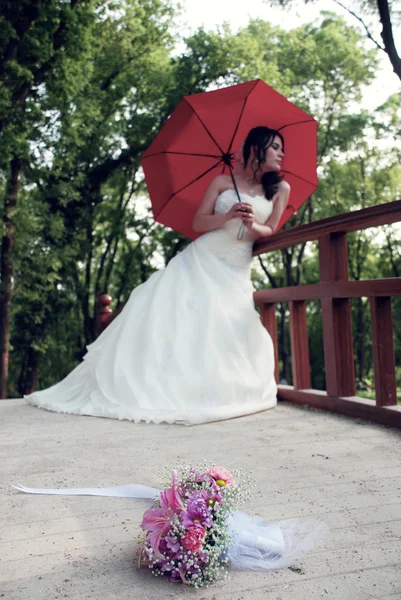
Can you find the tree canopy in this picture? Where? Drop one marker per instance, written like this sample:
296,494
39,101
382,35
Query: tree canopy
84,87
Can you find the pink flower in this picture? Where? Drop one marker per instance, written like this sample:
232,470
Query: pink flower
156,522
194,538
198,512
221,474
171,497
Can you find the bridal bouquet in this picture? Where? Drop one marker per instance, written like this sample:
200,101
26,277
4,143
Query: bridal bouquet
187,533
194,530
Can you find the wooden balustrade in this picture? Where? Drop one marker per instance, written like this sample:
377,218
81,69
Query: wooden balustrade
334,292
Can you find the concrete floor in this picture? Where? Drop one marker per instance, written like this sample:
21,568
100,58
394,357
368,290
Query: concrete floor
307,463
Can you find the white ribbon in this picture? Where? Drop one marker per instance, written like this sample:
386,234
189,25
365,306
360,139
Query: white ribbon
135,490
257,546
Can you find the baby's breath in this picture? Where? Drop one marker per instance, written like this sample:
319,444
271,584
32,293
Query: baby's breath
205,562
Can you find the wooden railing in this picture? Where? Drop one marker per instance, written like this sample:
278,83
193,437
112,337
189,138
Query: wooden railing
334,292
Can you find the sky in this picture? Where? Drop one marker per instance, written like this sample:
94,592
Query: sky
212,13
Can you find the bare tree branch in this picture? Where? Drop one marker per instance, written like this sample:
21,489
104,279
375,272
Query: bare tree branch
111,263
330,120
393,250
110,240
351,12
100,173
268,275
299,261
179,244
129,261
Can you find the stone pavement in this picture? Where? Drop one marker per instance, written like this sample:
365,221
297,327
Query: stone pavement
307,463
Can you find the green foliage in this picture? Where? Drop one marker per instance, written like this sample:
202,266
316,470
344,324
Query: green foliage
103,77
371,17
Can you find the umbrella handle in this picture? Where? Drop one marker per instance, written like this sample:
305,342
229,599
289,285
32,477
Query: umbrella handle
241,230
240,233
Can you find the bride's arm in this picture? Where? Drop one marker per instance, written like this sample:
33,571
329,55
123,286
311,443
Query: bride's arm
280,203
205,219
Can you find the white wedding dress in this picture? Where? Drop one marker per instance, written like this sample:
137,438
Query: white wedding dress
188,347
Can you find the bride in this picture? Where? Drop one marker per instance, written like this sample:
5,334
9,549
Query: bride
189,346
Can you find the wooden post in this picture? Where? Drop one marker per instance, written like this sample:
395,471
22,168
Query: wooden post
336,315
299,345
103,312
268,318
383,351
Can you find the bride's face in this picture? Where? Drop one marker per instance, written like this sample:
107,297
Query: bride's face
274,156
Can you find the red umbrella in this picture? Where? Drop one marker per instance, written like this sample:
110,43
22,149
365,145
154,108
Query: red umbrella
201,137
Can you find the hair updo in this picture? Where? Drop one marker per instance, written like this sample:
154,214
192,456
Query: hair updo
260,139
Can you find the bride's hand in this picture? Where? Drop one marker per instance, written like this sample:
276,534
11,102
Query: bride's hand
247,216
239,211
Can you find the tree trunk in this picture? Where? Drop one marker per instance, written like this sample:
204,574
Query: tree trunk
28,378
285,370
89,321
388,37
178,246
360,344
6,270
393,259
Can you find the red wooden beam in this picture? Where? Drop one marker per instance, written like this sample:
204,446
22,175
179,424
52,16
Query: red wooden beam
374,216
383,351
356,407
299,345
336,289
336,318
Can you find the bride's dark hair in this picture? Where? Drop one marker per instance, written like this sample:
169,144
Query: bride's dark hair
260,139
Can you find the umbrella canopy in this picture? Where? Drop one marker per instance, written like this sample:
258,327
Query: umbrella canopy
200,139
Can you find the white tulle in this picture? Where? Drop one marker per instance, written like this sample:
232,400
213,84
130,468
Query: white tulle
188,347
259,546
256,545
